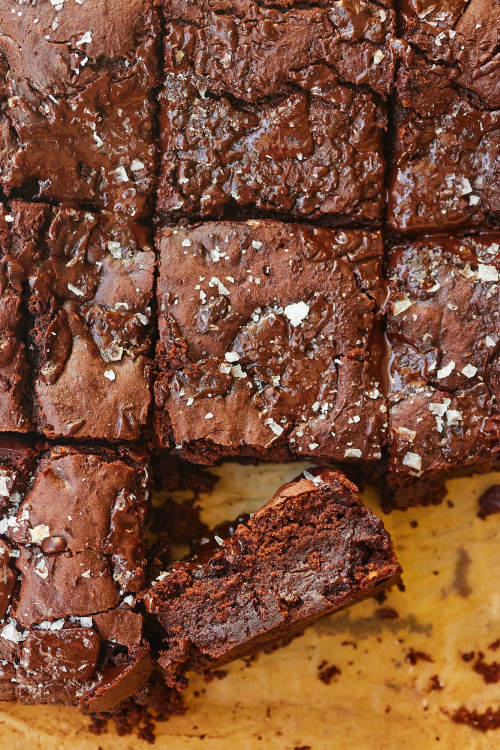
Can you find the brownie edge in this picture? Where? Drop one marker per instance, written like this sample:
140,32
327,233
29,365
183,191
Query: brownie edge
314,548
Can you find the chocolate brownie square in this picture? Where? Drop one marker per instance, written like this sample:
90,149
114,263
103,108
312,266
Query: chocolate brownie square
274,108
78,112
90,279
312,550
446,171
443,331
72,562
269,342
14,387
462,34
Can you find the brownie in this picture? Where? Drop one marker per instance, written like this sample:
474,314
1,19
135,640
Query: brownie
270,342
313,549
77,125
274,109
446,160
90,281
72,562
14,386
462,35
443,331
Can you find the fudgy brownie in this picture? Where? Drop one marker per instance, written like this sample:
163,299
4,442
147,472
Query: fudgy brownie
71,560
446,171
313,549
14,390
443,332
274,108
464,35
269,342
90,279
77,119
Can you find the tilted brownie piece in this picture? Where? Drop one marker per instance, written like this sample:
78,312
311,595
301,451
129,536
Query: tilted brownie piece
463,34
313,549
260,110
78,114
446,171
90,279
443,331
72,562
14,390
269,342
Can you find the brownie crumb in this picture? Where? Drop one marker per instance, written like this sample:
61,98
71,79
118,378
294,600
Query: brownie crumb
139,714
435,683
215,674
468,656
414,524
489,672
350,643
489,502
481,720
495,645
412,657
386,613
326,672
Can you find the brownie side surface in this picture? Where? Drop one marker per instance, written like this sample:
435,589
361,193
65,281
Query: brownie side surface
271,110
443,332
71,570
90,283
270,342
314,548
78,113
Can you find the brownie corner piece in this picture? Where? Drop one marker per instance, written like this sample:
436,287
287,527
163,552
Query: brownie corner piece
77,119
270,343
464,36
445,173
89,279
313,549
271,111
69,631
443,332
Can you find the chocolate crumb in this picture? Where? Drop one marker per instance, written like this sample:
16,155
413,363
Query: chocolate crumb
468,656
412,657
386,613
481,720
435,683
489,672
380,597
350,643
215,674
489,502
326,672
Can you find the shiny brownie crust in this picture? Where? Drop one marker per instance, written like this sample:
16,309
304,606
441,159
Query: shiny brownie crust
274,110
270,342
76,120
